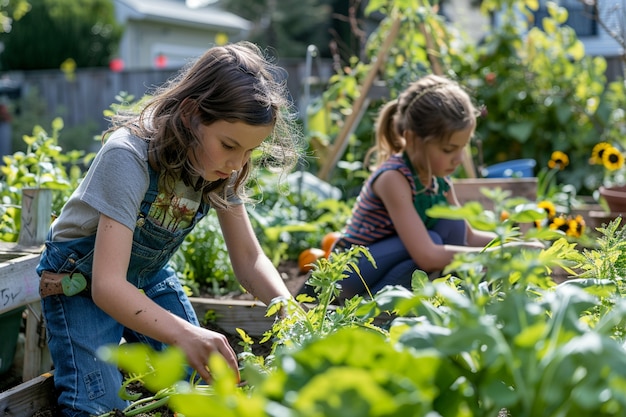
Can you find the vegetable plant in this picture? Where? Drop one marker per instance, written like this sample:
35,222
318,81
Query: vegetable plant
494,335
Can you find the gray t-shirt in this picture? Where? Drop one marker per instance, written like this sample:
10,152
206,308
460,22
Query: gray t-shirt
115,186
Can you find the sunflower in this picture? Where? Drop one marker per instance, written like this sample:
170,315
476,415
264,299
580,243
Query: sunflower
559,223
597,152
549,208
558,160
573,227
612,159
576,226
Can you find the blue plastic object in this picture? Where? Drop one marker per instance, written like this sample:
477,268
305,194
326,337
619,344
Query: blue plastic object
516,168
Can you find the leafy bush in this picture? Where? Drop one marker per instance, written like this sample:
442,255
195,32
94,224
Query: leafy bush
539,91
494,336
284,221
202,262
55,31
42,165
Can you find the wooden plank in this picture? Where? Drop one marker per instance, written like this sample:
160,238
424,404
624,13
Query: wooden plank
232,314
35,216
19,282
468,189
36,353
29,397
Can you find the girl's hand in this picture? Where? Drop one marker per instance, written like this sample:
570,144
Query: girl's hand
199,344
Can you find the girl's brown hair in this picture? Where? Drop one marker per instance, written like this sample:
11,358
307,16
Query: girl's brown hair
235,83
433,108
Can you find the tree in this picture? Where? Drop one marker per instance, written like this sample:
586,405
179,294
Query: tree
54,31
288,26
18,8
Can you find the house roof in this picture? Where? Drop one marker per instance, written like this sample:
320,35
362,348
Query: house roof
177,12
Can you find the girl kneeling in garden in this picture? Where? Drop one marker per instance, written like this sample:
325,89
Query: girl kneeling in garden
420,141
157,175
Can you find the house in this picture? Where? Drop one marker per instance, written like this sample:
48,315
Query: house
168,33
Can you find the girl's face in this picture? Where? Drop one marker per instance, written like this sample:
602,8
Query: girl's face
226,147
445,157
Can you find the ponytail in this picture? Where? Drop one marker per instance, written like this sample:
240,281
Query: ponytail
388,139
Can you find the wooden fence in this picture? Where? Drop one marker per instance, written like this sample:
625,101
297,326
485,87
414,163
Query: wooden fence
84,98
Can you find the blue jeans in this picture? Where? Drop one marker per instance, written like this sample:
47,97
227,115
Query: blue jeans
394,265
76,328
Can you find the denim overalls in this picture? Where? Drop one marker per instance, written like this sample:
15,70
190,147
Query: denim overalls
76,327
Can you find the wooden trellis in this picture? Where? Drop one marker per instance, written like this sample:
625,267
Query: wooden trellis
360,104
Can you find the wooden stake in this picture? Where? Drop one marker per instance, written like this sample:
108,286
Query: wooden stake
353,119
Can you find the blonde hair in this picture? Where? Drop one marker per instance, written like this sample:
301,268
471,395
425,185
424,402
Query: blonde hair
235,83
433,108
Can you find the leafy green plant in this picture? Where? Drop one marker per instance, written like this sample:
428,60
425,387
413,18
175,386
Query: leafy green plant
495,335
538,90
541,92
202,261
287,221
42,165
285,224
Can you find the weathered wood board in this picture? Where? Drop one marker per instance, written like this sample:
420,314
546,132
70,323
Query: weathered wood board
26,399
468,189
19,283
229,315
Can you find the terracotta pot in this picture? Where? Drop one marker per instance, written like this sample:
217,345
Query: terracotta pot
615,198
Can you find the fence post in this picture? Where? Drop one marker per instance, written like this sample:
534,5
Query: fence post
36,214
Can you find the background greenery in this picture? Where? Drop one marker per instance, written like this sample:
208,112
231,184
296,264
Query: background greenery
540,93
74,33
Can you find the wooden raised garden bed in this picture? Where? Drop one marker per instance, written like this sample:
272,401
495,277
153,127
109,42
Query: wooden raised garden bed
26,399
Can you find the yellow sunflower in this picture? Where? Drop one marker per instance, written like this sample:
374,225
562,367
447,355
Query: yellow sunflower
559,223
597,153
576,226
612,159
549,208
573,227
558,160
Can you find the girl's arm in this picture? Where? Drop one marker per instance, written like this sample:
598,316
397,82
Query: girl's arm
394,190
133,309
253,269
478,238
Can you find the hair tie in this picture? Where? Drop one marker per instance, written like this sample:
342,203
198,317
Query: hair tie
424,92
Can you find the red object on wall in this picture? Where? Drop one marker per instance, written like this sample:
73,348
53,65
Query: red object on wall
116,64
160,61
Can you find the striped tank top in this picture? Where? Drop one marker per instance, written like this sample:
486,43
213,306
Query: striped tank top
370,221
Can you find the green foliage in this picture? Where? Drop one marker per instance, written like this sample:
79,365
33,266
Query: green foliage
287,220
42,165
455,346
539,91
285,224
9,15
202,260
54,31
288,26
319,320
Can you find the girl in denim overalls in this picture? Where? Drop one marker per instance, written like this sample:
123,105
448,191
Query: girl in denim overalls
156,176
